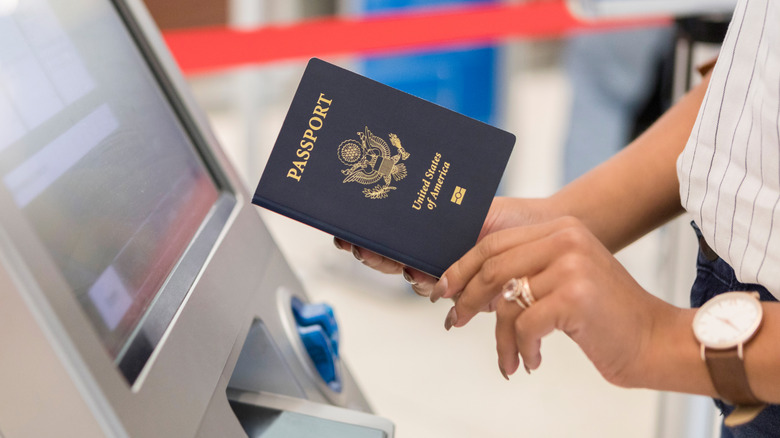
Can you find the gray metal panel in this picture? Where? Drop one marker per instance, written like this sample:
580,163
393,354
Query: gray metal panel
182,389
38,396
317,410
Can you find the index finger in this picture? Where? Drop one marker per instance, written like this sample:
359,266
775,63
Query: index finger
457,276
519,252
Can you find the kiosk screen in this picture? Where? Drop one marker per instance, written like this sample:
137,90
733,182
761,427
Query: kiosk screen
95,160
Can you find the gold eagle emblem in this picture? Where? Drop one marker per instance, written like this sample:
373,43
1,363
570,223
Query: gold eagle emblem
370,161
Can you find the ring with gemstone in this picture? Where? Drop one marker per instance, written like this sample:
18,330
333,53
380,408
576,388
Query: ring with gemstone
519,291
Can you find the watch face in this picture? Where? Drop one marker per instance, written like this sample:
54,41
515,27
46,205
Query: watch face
727,320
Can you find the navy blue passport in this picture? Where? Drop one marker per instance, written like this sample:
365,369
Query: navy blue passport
383,169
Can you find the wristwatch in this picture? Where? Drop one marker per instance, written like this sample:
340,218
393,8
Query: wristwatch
723,325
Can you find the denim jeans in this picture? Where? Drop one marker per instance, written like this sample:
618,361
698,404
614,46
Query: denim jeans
714,276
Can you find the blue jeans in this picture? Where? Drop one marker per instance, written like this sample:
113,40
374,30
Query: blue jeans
714,276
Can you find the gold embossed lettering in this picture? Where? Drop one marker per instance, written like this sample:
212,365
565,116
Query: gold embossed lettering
320,111
292,173
306,145
300,165
315,123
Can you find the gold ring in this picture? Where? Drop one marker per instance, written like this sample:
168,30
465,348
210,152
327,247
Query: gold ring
525,291
519,291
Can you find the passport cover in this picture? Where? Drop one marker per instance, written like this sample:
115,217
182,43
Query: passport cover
382,169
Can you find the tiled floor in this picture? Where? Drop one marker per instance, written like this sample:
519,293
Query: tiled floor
429,382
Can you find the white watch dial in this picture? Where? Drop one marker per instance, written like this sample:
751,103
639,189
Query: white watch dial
727,320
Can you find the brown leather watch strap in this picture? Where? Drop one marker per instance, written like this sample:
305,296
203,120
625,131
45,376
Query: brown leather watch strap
728,375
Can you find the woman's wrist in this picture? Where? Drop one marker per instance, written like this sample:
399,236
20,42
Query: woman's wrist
673,359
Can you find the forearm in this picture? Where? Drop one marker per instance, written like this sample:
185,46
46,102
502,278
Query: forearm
637,189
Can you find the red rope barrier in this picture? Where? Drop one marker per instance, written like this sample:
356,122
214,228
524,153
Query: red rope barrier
203,50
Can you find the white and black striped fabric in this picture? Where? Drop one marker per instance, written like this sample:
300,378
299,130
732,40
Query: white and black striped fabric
730,169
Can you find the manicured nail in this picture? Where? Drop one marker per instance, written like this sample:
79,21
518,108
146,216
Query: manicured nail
337,243
421,291
408,277
452,318
503,372
439,289
356,253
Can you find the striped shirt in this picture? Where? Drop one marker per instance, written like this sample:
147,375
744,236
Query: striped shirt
730,169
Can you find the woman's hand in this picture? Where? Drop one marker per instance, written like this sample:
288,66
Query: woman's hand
504,213
579,287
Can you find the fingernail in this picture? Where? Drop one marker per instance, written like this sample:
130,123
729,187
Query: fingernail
439,289
420,292
527,370
503,371
452,318
337,243
356,253
408,277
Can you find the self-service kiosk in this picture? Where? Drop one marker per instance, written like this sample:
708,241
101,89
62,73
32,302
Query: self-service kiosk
140,293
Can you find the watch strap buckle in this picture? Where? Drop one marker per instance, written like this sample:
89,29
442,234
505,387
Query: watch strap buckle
743,414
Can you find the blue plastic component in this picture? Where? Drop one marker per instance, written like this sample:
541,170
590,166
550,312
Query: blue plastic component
319,332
